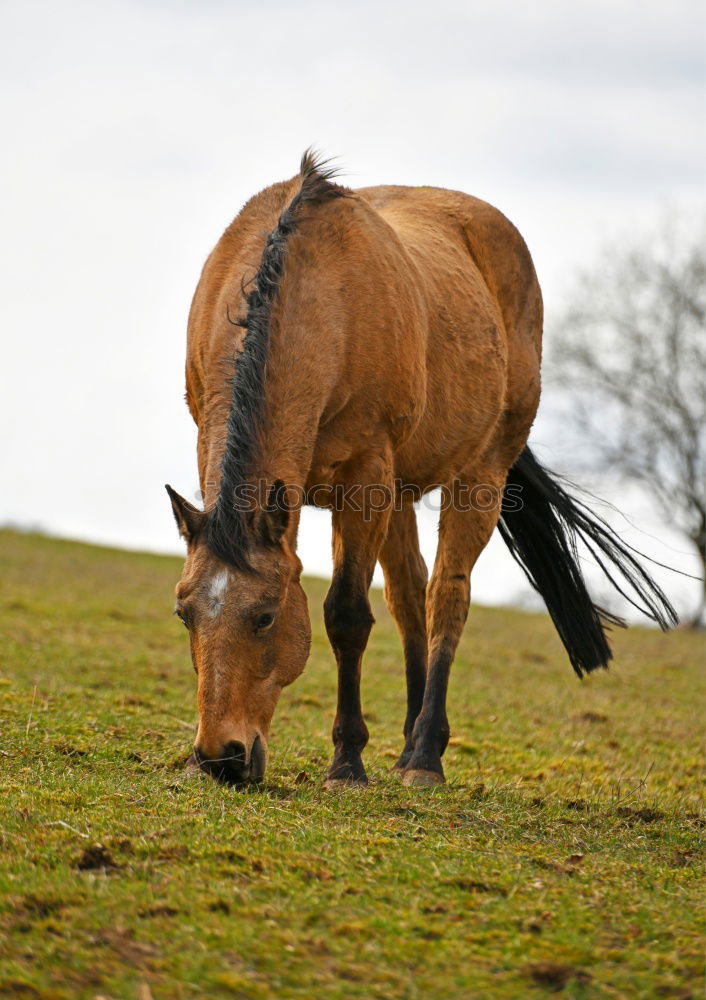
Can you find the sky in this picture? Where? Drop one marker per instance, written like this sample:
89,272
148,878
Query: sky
134,131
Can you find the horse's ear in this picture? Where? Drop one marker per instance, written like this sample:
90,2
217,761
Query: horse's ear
274,517
189,519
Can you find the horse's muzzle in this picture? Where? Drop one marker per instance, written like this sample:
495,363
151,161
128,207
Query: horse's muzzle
233,765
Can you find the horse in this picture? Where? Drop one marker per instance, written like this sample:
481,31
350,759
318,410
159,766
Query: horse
355,349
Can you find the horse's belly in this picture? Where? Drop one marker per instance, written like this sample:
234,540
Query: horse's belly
453,434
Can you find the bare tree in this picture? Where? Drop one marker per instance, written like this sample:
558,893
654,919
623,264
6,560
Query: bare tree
630,353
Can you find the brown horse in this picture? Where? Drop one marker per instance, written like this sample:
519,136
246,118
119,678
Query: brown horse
376,344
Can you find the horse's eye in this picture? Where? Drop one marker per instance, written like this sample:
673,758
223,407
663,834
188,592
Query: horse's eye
179,612
263,621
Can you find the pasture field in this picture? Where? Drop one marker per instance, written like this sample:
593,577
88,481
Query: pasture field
564,855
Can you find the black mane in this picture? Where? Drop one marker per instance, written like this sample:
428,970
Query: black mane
227,532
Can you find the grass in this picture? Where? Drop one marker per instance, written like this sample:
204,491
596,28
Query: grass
565,853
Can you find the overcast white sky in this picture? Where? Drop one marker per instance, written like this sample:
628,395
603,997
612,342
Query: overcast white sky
134,131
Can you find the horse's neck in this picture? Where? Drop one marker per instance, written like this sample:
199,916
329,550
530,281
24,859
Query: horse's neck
294,401
298,378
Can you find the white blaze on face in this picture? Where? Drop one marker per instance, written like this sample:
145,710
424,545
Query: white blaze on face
217,590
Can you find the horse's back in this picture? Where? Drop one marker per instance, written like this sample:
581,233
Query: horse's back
431,220
485,322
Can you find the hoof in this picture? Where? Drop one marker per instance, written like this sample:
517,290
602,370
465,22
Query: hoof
422,779
332,783
398,772
403,760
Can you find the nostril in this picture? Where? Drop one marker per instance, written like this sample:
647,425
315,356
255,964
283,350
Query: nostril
234,756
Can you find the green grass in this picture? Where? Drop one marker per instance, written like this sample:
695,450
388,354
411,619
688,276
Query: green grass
565,852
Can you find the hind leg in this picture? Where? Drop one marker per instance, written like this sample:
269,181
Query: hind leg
405,588
464,531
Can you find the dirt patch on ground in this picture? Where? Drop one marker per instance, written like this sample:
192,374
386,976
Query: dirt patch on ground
639,815
96,857
555,976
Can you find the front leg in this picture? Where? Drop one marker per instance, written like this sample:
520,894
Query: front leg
357,538
348,622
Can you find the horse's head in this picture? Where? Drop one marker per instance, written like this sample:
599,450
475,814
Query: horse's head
250,635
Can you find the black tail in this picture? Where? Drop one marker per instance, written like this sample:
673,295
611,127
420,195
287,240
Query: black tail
541,525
